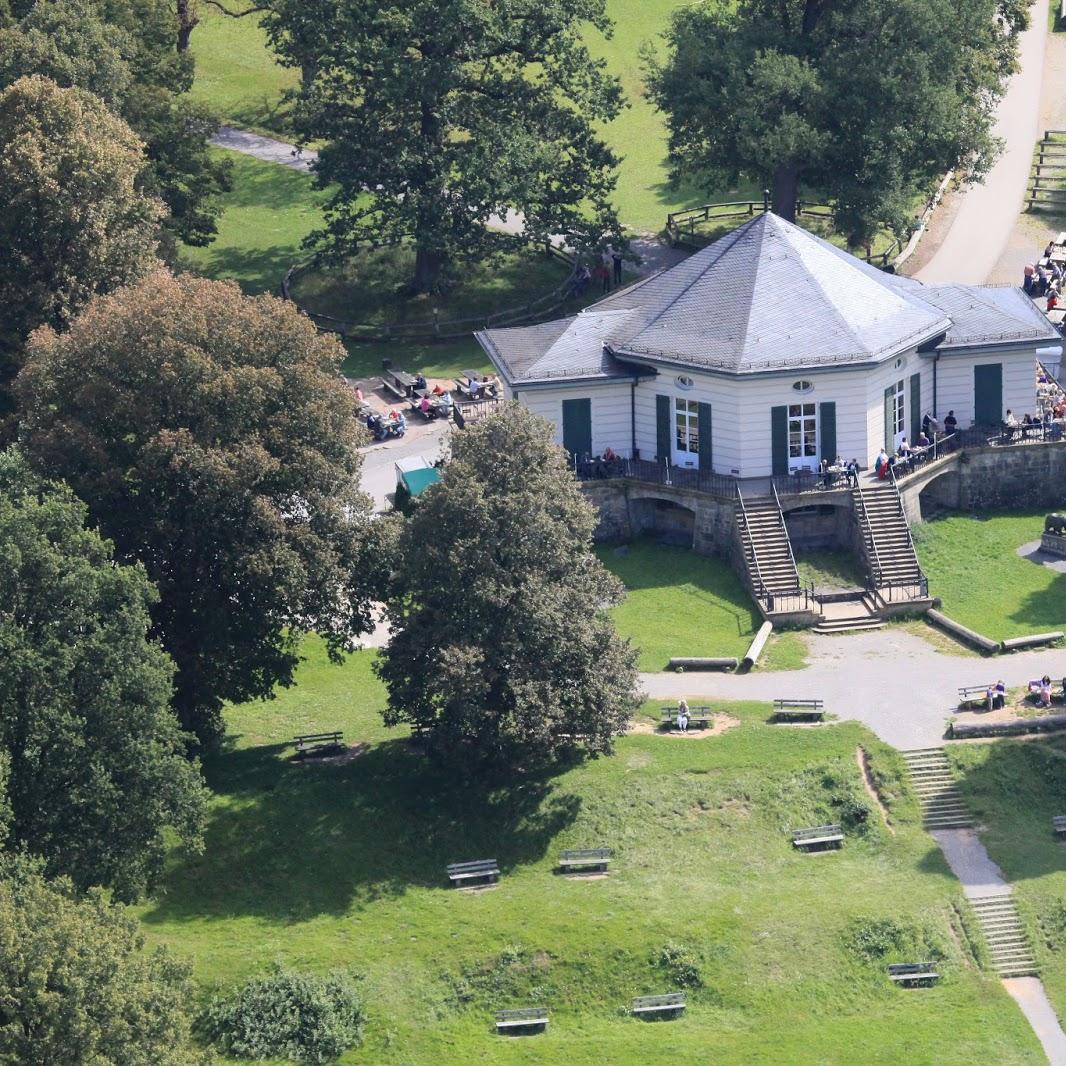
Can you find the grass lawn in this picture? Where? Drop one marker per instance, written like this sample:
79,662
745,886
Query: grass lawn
343,866
1015,788
973,566
370,288
680,603
830,570
265,218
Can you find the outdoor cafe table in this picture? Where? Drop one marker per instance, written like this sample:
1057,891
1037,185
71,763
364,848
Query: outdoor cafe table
1056,315
403,380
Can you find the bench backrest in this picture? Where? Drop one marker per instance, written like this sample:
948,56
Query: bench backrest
673,999
319,736
522,1014
971,690
702,708
902,969
586,853
816,831
1059,821
812,705
472,867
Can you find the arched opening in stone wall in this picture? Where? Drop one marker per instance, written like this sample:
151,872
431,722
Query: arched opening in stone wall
824,543
667,521
941,495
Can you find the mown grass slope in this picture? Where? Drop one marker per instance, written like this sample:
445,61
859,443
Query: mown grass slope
783,953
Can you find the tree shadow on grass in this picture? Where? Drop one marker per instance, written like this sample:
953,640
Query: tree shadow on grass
290,842
256,270
1042,610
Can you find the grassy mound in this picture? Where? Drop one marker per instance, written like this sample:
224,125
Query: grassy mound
974,567
782,955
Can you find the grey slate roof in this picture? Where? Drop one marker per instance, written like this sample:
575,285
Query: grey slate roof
768,296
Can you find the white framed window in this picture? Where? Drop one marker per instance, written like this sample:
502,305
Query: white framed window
803,386
898,412
684,381
686,431
802,435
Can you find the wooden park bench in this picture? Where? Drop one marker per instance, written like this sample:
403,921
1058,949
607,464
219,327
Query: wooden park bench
974,694
698,717
481,870
310,743
818,836
673,1003
913,973
523,1018
1059,822
584,859
799,710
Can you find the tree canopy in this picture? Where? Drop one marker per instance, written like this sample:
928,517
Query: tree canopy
437,114
502,652
96,765
78,987
75,220
216,443
865,101
123,51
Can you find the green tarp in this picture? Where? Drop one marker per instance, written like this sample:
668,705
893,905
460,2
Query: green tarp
416,481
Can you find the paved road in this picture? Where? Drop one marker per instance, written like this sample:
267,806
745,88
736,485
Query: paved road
893,681
984,222
379,460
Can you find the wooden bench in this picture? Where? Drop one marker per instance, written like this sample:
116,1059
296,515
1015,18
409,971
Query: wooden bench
799,710
818,836
523,1018
584,859
315,742
913,973
698,717
480,870
974,694
1059,822
673,1003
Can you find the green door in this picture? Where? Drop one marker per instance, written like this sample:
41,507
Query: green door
779,439
577,427
827,430
988,394
706,455
662,428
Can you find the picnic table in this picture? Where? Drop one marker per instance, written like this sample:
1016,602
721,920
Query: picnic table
398,382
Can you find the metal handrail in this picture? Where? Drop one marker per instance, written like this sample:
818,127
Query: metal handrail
762,589
878,571
906,525
788,542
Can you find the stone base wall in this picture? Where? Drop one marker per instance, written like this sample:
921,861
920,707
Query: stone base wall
1056,545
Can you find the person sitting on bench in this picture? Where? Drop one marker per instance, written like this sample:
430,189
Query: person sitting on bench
420,380
682,715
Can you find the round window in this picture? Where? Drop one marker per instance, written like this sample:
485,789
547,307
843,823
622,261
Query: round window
684,382
803,386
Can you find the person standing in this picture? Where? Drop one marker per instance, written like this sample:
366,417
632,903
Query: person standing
616,258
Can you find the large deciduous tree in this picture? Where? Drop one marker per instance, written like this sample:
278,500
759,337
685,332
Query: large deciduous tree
74,221
436,114
96,765
77,985
502,653
214,440
122,50
866,101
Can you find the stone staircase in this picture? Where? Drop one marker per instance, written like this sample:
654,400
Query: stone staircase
767,551
941,802
1008,944
886,537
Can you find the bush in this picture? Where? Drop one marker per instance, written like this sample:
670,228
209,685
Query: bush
680,965
875,939
301,1017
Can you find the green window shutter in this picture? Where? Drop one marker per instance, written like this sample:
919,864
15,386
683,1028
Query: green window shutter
890,394
577,427
706,459
988,394
827,430
916,406
662,428
779,439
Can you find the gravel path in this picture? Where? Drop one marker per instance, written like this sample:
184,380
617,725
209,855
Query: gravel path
891,680
987,215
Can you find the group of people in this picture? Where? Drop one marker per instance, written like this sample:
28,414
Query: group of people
392,425
1042,690
487,387
607,272
908,454
1044,280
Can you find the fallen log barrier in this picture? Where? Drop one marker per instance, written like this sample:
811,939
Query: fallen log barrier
757,645
1013,728
957,629
691,663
